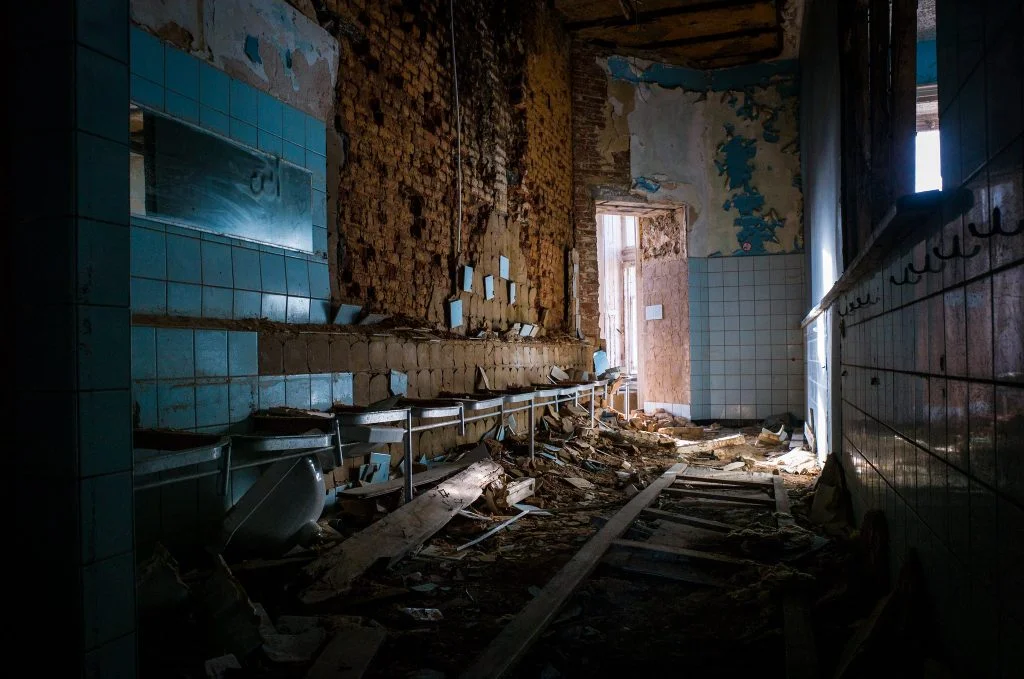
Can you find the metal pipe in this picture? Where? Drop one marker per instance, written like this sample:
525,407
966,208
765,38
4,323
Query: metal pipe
338,455
176,479
311,452
438,425
531,423
408,457
593,396
225,482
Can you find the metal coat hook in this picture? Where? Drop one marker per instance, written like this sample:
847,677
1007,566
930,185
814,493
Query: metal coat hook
997,226
956,251
906,279
927,267
867,302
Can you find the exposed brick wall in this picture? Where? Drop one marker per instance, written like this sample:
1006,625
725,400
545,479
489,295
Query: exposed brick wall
592,169
396,199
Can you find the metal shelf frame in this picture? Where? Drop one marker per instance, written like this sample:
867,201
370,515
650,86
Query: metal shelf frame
243,451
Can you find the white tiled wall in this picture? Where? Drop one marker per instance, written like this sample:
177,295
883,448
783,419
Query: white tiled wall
746,345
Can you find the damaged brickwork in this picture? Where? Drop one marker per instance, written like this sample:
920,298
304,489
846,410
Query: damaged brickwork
594,166
392,235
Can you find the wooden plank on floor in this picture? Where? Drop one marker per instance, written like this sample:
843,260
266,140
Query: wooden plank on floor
682,551
513,641
658,566
798,630
783,516
720,497
708,484
801,653
399,532
717,476
349,653
694,521
438,473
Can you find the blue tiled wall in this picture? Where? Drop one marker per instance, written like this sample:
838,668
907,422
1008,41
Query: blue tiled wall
67,239
746,346
207,380
180,271
202,379
932,386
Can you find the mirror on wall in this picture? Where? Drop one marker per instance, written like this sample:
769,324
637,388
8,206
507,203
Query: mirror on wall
182,174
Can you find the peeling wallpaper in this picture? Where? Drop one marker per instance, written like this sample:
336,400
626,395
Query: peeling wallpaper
725,143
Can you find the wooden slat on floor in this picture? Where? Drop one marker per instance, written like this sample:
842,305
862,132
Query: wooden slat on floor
694,521
512,643
720,497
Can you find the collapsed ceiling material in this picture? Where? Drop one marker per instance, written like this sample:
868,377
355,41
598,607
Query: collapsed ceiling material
698,33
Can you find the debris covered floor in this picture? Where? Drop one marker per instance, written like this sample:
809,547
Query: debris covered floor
449,593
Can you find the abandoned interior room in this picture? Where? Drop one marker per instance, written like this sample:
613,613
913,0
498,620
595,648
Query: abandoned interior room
543,338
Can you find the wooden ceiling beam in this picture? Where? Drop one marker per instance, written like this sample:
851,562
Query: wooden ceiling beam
619,21
749,17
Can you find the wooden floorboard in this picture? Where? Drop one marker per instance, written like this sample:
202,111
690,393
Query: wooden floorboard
516,638
694,521
721,497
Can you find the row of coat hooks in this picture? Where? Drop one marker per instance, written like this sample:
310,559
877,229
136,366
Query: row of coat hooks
955,252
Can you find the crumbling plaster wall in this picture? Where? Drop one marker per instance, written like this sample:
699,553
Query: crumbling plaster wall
265,43
398,244
665,342
724,143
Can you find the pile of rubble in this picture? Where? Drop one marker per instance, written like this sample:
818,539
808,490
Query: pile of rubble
470,551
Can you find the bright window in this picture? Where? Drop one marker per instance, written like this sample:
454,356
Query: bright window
928,168
617,236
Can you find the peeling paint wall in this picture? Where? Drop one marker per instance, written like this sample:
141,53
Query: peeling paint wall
265,43
725,143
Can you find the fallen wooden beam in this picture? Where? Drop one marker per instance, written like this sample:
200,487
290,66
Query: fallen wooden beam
705,484
737,483
718,476
721,497
432,475
659,567
713,444
512,643
694,521
349,653
783,516
682,551
797,627
438,473
398,533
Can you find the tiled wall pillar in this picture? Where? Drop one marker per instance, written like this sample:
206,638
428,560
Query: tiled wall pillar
68,251
745,338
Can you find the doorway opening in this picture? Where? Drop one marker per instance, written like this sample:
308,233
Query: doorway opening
617,276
